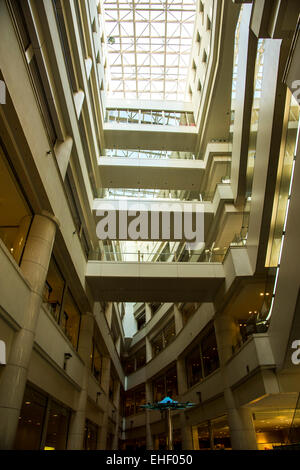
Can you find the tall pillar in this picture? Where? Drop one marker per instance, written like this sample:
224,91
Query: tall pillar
242,432
148,349
35,263
195,438
106,363
186,431
115,444
178,319
181,376
211,435
77,426
118,345
108,313
149,399
148,312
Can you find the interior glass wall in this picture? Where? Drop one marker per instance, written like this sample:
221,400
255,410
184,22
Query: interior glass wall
59,301
165,385
163,338
15,214
90,435
43,423
203,359
133,399
212,435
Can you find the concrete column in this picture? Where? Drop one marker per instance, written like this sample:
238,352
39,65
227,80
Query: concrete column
77,426
181,376
243,106
118,345
148,349
242,432
148,312
186,432
105,385
108,313
34,265
149,399
195,438
211,435
115,444
178,319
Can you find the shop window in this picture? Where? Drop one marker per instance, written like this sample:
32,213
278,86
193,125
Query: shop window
31,419
54,290
15,214
70,319
212,435
43,423
90,436
57,429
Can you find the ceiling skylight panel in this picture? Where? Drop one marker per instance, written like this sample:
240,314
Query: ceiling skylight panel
157,33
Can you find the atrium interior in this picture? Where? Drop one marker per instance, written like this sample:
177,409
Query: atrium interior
120,121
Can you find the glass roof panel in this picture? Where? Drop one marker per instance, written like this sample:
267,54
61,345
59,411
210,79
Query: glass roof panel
149,42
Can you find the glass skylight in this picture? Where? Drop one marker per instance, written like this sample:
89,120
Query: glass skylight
149,44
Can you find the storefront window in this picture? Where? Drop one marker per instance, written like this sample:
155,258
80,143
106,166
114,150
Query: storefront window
212,435
15,214
90,436
43,423
57,429
31,420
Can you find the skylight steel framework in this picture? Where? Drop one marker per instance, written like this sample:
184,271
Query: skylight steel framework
149,46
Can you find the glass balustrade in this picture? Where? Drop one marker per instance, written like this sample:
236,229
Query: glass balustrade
150,117
147,154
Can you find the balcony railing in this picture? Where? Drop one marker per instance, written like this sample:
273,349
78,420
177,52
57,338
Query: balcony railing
150,117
